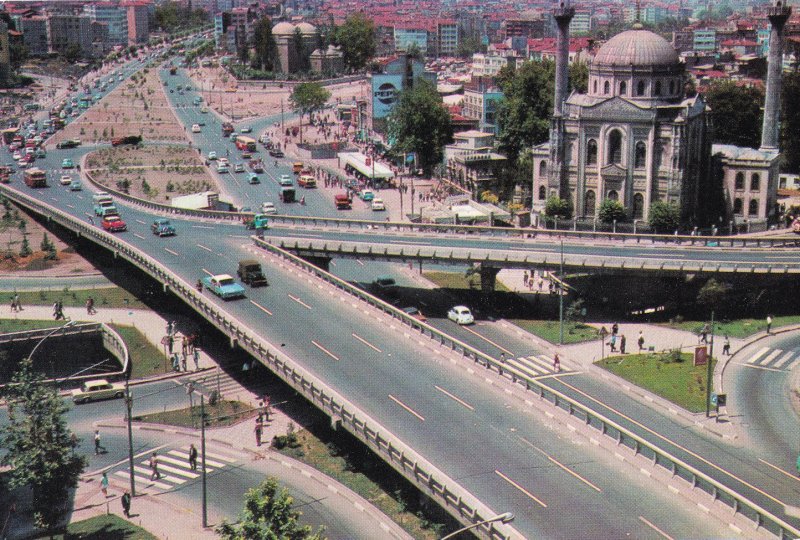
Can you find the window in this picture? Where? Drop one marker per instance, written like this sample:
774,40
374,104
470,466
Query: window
641,155
737,206
595,86
640,88
638,206
739,185
615,147
589,202
623,88
543,193
606,87
753,209
658,88
755,182
591,152
613,195
542,169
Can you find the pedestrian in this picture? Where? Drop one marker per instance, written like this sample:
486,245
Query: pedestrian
525,278
18,302
154,473
126,504
170,343
502,358
176,365
258,434
622,344
89,303
556,363
196,355
726,346
613,342
97,445
704,333
640,341
192,457
104,484
769,323
13,305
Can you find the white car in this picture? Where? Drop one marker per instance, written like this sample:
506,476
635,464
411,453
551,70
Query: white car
378,205
17,156
222,167
238,168
461,315
97,389
195,128
268,208
66,180
212,156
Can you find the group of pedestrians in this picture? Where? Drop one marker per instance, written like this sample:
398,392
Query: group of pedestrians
16,305
58,310
616,337
189,348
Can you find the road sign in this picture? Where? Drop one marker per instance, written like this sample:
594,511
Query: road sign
714,400
722,400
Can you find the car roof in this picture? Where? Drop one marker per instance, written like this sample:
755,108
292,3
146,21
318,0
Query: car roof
220,277
460,308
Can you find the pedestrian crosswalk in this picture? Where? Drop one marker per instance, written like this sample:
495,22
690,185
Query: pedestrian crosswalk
773,359
534,366
227,386
174,467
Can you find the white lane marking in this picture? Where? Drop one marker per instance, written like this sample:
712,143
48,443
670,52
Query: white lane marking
365,342
142,480
758,355
659,531
139,236
262,308
296,299
783,360
326,351
769,358
201,227
205,248
519,487
765,368
171,252
71,206
140,221
407,408
562,466
790,475
359,262
454,398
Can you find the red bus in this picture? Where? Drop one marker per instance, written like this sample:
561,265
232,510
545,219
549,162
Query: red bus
245,143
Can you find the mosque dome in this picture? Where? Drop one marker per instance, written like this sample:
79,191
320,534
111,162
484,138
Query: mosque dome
307,28
636,48
283,29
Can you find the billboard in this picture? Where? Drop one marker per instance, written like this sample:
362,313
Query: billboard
384,93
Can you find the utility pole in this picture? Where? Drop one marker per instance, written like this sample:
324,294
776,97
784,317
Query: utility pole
203,453
709,369
561,298
281,113
129,406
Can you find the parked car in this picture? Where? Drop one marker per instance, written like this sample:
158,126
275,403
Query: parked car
97,389
460,315
162,227
224,286
114,223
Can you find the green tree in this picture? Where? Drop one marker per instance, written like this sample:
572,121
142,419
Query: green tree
558,207
714,295
303,61
38,447
611,211
72,52
468,45
268,515
46,244
25,250
356,37
420,123
735,113
664,217
790,121
307,98
265,47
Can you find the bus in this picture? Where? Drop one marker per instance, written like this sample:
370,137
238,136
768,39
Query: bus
35,178
245,143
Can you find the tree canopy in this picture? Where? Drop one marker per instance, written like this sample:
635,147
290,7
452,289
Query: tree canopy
558,207
266,50
356,37
171,16
37,445
664,217
611,211
735,113
419,122
268,515
308,97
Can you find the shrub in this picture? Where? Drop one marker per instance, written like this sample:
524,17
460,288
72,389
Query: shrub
611,211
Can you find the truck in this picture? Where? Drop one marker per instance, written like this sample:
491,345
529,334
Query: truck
103,204
227,129
35,178
130,139
256,222
196,201
343,202
250,273
287,194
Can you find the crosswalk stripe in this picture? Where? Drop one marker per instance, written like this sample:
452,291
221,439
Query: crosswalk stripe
209,462
758,355
179,472
542,361
220,457
784,359
143,479
164,478
769,358
533,366
182,462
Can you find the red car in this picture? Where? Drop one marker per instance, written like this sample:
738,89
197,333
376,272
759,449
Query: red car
114,224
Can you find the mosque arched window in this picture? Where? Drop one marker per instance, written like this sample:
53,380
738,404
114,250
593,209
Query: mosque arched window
613,195
739,184
737,206
623,88
752,209
638,206
640,88
542,193
595,86
755,182
641,155
542,169
615,147
591,152
589,203
606,87
657,90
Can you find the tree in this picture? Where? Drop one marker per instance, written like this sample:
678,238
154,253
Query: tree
611,211
558,207
268,515
790,121
265,47
420,123
72,52
735,113
356,37
468,45
714,295
303,60
38,447
664,217
308,97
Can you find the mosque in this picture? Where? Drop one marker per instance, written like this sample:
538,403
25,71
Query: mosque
637,136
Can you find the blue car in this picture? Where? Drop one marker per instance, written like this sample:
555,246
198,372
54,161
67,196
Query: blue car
224,286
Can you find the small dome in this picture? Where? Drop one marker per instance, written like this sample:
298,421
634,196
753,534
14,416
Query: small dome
283,29
307,28
636,48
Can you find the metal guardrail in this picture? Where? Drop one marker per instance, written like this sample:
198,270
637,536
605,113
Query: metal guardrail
423,474
677,467
112,342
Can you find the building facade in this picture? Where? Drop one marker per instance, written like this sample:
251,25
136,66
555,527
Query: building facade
67,30
115,16
5,53
34,34
481,104
138,22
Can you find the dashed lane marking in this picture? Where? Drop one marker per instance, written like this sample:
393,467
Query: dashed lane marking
326,351
407,408
522,489
365,342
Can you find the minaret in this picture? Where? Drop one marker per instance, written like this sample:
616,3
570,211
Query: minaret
777,14
563,16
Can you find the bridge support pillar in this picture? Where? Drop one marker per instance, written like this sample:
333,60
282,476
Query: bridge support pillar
234,342
323,263
488,278
336,423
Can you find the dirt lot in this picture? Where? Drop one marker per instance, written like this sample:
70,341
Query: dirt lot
138,107
155,173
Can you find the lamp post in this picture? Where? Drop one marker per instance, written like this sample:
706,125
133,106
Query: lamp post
709,369
35,347
505,517
561,298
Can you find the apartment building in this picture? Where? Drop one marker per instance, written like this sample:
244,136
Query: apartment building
581,23
114,15
705,40
138,21
407,37
34,34
480,103
67,30
447,36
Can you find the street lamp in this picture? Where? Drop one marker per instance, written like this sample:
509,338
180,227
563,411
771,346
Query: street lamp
505,517
561,298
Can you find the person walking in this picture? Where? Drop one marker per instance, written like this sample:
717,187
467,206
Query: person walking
104,484
154,473
622,344
640,341
769,323
556,363
704,333
614,329
192,457
97,445
126,504
13,305
196,356
18,302
613,342
257,430
726,346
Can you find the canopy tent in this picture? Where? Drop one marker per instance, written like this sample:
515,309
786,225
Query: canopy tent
364,166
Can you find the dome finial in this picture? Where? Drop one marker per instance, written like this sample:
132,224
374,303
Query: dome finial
637,20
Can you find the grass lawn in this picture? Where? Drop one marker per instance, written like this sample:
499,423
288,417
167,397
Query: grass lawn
326,458
146,358
20,325
109,527
678,381
738,328
457,280
109,297
225,413
549,330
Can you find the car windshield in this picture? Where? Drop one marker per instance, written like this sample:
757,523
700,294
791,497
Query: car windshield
226,281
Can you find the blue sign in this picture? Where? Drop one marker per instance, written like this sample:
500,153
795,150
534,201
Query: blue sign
384,93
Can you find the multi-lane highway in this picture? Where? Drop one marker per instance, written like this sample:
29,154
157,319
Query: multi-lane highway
479,430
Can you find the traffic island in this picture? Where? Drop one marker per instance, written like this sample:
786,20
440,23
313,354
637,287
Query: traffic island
221,414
